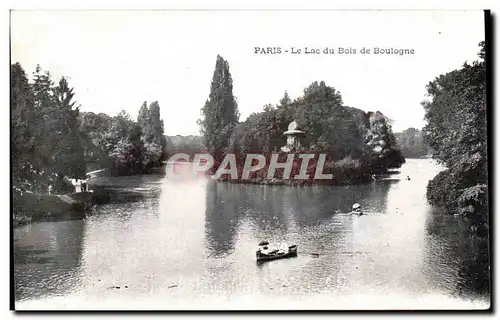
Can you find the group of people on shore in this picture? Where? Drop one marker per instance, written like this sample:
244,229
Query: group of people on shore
80,185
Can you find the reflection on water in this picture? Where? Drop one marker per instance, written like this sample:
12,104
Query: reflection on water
47,257
463,262
281,212
192,241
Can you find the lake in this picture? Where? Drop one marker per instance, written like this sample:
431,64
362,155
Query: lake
191,245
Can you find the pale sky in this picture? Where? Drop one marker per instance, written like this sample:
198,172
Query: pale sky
115,60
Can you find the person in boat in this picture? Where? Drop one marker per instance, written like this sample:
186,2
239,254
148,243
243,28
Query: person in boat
356,209
265,250
283,251
263,247
283,248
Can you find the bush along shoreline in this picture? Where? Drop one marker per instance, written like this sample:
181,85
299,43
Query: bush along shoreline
37,208
457,137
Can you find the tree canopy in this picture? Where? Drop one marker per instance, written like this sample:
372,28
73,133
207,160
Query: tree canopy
124,145
457,137
52,140
44,138
343,133
220,113
411,143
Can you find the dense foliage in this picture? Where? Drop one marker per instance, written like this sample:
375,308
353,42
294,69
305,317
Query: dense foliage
152,129
411,143
45,144
456,134
332,128
125,146
184,144
352,139
52,141
220,114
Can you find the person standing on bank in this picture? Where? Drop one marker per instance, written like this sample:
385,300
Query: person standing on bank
78,186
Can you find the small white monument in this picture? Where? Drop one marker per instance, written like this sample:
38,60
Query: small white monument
293,135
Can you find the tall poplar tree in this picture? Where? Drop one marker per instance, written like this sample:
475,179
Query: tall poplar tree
154,141
70,153
220,114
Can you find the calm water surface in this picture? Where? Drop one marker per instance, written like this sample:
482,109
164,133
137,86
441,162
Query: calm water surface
191,245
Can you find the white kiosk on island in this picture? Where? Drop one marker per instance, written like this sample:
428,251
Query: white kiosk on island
293,135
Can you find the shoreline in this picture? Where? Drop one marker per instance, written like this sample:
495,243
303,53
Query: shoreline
105,189
292,182
72,206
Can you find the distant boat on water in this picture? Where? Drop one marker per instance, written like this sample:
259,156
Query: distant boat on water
356,209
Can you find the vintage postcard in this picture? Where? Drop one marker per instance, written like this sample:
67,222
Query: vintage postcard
250,159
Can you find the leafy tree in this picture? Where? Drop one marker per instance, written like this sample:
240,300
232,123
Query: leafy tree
46,142
456,135
52,140
70,153
156,122
380,145
143,119
411,142
285,101
22,135
45,137
184,144
123,144
157,127
126,146
220,114
92,128
356,142
152,134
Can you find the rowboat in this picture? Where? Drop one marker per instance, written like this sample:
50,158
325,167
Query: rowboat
266,253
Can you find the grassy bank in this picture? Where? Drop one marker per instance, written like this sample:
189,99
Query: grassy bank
33,208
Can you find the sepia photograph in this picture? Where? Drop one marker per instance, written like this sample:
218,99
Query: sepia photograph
249,160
